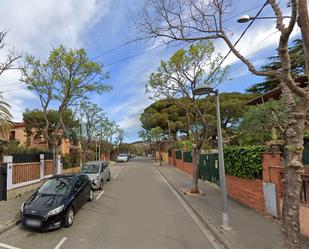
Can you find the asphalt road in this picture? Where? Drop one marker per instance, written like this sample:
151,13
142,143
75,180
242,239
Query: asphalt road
137,210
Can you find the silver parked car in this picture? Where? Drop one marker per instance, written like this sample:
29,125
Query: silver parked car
98,172
122,158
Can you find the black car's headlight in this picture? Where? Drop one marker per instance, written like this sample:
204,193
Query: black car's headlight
55,211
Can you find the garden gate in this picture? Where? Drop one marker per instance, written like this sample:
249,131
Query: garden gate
209,168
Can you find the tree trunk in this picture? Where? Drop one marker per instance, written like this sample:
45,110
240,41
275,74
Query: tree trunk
160,154
293,170
195,162
55,157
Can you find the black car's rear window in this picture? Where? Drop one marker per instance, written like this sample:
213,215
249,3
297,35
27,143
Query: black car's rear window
57,186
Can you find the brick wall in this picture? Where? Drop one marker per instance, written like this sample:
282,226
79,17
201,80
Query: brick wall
179,164
170,161
188,167
71,170
48,167
23,172
247,191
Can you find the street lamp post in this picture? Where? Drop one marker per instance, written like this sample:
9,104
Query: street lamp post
247,18
96,149
203,90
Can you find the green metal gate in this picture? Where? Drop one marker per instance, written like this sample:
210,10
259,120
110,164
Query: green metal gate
209,168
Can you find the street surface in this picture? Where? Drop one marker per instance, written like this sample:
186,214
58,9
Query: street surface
137,210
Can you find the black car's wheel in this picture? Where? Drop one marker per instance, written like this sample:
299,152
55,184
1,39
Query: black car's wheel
90,197
69,217
109,176
101,184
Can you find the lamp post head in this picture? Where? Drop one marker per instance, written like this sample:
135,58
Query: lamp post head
244,18
203,90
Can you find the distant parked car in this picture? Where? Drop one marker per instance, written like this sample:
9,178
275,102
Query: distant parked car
122,158
98,172
56,202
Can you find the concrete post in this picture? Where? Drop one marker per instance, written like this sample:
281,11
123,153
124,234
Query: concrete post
9,162
224,204
42,166
59,165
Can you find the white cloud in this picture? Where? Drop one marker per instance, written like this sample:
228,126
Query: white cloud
35,27
257,38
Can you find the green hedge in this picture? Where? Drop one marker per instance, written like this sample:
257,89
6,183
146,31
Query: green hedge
244,161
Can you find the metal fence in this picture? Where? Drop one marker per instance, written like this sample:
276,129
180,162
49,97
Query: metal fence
179,154
209,168
187,157
304,195
27,158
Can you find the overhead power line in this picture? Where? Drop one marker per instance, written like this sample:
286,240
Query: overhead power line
161,45
115,48
240,37
134,55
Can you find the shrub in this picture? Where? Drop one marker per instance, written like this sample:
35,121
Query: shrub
244,161
71,160
14,147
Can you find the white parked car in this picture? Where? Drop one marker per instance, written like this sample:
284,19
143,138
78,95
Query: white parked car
122,158
98,172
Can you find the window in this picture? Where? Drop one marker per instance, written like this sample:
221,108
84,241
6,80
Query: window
12,135
78,184
103,166
56,186
90,168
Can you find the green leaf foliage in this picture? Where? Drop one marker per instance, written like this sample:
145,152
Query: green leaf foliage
297,68
244,161
258,122
35,123
5,118
71,160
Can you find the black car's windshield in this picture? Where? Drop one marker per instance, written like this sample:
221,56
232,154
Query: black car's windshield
56,186
90,168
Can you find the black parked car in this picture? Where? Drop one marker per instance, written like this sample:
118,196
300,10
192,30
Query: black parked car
56,202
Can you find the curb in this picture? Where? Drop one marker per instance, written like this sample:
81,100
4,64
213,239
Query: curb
213,229
10,225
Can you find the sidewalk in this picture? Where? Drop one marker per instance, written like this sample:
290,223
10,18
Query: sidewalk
250,230
9,212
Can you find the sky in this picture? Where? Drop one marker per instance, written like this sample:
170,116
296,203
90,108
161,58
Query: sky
36,27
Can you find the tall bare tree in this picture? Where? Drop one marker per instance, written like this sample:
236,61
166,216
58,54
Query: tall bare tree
66,77
6,64
12,57
195,20
176,79
90,117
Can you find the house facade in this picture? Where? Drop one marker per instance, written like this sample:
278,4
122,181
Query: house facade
17,132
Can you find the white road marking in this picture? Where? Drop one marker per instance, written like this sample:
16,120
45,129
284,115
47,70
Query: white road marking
118,173
60,243
8,246
194,217
100,195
